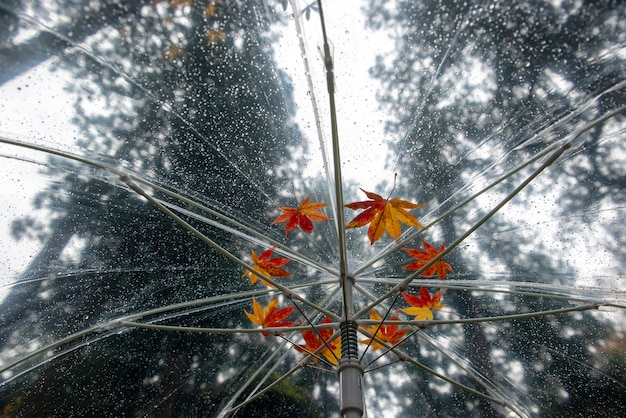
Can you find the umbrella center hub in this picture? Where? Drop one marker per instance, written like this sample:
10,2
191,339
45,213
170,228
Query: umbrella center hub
350,372
349,341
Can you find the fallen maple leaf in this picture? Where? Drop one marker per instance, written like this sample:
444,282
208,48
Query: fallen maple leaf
383,215
424,256
271,316
304,216
266,266
331,350
388,333
422,305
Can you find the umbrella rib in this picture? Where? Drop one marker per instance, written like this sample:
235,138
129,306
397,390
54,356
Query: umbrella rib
459,384
252,378
51,346
504,177
167,107
405,357
403,284
588,366
457,207
286,290
299,366
374,322
121,321
267,374
164,190
53,151
130,322
203,301
263,366
255,237
330,82
471,286
425,324
315,329
382,366
206,330
387,349
310,353
381,322
311,90
474,374
262,391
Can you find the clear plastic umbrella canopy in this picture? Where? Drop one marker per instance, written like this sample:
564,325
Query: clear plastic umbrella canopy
286,208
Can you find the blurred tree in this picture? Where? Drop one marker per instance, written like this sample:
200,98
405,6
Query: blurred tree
188,96
466,77
53,40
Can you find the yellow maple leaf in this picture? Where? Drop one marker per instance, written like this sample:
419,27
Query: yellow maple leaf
422,305
383,215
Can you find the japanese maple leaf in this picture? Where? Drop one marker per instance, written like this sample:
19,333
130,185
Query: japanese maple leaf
271,316
424,256
266,265
388,333
423,305
331,350
383,215
303,216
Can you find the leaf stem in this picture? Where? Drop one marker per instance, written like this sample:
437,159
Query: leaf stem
395,178
286,290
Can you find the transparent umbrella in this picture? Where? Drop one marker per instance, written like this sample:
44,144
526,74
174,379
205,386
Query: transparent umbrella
283,208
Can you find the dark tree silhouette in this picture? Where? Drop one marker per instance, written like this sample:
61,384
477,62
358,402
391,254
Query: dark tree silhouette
464,78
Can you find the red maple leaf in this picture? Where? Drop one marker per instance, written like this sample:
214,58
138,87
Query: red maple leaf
303,216
331,350
389,333
267,266
440,268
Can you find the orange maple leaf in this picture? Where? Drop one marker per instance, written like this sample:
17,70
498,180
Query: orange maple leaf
424,256
267,266
271,316
303,216
383,215
388,333
422,305
331,350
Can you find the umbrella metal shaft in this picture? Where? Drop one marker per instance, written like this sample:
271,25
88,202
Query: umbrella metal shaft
350,370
